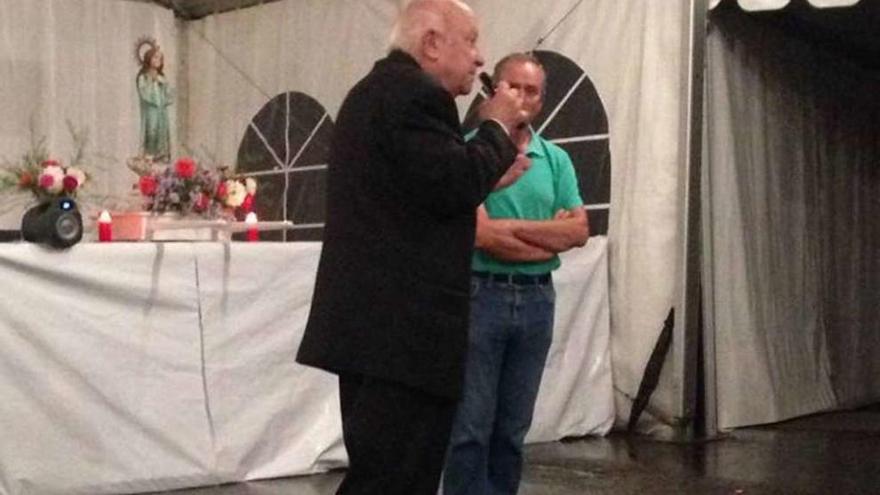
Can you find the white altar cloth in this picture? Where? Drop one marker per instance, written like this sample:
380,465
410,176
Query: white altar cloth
132,367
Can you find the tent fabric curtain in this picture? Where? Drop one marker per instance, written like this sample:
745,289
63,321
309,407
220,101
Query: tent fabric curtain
756,5
630,49
73,60
793,148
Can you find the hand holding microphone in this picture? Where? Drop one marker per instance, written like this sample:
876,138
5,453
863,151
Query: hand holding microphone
505,104
508,103
487,84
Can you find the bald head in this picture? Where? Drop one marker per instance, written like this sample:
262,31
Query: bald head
422,16
441,35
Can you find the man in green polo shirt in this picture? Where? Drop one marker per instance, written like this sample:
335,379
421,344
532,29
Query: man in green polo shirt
520,231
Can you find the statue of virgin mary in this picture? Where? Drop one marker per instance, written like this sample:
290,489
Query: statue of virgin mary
155,96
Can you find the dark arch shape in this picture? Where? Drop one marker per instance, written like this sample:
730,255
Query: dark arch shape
285,147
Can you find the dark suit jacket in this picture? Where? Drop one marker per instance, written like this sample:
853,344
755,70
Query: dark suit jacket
391,298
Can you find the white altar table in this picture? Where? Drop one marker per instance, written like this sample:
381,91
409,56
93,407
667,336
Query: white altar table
133,367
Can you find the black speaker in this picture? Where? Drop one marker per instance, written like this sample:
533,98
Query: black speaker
10,235
56,223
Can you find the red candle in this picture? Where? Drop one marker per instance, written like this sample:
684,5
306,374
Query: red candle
253,234
105,227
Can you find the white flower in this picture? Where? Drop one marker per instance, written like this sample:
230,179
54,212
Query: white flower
235,193
52,179
250,186
77,174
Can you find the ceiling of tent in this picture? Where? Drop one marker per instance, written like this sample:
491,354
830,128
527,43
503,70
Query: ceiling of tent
195,9
848,27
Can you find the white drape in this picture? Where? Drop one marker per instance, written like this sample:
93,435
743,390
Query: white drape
791,308
239,60
229,65
156,366
73,60
755,5
630,49
793,181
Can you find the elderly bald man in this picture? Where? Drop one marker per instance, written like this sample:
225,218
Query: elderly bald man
390,308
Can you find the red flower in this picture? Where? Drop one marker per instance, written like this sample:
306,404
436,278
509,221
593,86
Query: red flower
47,181
185,168
25,180
69,183
147,185
221,190
248,204
202,202
50,162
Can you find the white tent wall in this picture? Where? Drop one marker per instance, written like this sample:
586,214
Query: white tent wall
237,61
73,60
792,193
793,185
632,51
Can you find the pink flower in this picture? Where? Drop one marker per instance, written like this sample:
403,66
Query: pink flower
147,185
185,168
69,183
51,179
203,202
47,181
51,162
77,174
221,190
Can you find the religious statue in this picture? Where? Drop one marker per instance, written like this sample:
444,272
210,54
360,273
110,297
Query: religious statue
155,96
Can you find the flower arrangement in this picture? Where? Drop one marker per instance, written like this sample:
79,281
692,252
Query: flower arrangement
44,177
189,189
46,180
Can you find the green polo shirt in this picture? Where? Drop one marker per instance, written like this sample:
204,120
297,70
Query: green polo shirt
549,185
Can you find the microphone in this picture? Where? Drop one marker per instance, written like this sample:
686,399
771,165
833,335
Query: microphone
489,89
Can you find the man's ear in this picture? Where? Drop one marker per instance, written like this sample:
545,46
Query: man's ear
431,41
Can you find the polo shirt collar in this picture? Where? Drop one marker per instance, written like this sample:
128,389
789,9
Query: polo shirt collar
536,148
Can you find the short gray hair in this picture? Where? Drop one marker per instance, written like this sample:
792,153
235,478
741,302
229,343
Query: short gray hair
516,58
520,58
419,17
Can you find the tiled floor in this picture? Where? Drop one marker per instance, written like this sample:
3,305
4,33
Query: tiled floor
834,454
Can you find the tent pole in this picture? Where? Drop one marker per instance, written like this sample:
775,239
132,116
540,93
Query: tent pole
707,392
686,339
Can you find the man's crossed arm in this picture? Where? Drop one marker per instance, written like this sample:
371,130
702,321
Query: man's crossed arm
531,240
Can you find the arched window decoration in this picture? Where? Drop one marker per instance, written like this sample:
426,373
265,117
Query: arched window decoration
285,147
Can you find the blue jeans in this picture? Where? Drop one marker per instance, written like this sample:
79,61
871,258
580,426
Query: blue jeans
510,334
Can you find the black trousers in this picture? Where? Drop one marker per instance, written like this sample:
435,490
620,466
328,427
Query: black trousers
396,437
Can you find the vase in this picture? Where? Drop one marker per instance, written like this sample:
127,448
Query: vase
168,226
